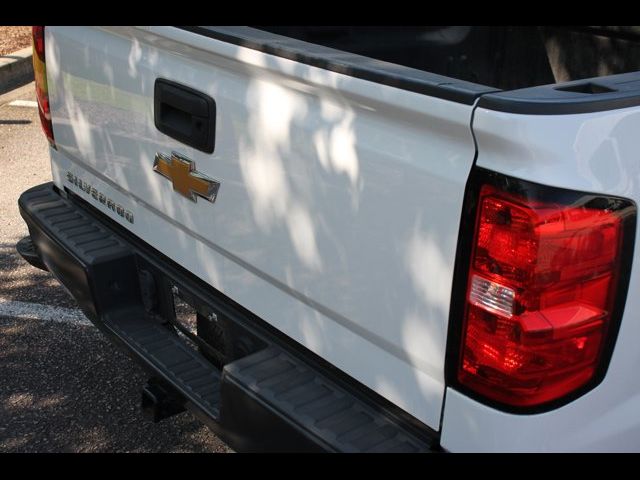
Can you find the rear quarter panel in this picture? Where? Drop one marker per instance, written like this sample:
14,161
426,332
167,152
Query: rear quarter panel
592,152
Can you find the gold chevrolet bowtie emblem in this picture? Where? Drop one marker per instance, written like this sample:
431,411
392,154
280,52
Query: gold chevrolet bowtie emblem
186,180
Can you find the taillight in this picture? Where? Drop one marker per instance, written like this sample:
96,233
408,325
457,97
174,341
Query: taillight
546,278
42,92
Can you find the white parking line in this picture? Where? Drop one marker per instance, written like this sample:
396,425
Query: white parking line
24,103
37,311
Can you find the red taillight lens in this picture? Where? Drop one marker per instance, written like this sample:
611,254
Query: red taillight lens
42,92
540,293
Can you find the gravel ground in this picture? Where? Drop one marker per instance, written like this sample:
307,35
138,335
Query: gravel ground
14,38
63,386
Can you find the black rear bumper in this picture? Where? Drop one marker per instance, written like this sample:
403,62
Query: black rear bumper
271,394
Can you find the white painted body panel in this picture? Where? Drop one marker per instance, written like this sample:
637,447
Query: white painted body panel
594,152
338,212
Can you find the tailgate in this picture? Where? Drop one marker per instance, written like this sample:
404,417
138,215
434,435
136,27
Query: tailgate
337,214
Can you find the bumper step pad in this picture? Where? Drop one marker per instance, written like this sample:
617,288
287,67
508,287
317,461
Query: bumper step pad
318,405
165,353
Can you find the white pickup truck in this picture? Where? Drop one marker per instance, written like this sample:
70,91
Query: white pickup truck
390,239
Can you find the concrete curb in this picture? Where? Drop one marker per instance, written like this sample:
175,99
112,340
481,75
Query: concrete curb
16,69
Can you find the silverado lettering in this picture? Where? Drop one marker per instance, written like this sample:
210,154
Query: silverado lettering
101,197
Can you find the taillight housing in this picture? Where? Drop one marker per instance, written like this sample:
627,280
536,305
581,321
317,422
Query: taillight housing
42,91
544,273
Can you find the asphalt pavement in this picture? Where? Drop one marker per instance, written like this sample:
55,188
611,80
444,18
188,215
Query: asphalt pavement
63,386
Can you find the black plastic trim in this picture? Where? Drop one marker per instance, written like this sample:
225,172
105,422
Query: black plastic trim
351,64
610,93
29,253
185,114
478,177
